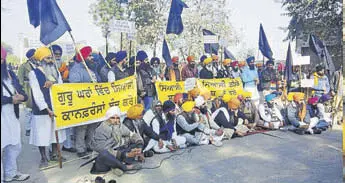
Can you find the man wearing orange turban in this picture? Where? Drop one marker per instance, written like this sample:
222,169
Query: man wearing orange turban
173,73
296,110
231,118
189,70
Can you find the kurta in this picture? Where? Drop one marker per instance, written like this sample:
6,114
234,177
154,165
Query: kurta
42,127
10,125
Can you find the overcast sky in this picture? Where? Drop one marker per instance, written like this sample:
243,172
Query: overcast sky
245,17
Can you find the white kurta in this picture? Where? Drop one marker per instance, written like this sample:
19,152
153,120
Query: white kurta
10,125
42,127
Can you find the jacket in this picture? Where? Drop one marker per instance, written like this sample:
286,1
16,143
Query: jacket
19,89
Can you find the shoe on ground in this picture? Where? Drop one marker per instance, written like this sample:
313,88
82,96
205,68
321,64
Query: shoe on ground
97,172
56,158
99,180
72,150
148,153
317,131
27,133
18,177
118,172
134,167
83,155
112,181
217,143
43,164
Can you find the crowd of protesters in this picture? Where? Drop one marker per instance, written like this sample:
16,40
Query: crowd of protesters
267,101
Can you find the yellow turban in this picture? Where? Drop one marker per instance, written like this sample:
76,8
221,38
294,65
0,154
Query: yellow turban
188,106
207,60
41,53
219,93
135,111
194,92
226,61
292,94
298,96
205,93
234,103
226,98
246,94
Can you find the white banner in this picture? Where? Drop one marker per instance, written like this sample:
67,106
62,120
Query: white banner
307,83
300,60
210,39
123,26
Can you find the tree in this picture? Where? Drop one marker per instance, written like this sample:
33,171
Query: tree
322,18
203,14
148,17
325,15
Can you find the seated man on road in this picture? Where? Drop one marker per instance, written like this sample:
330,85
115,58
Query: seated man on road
116,145
188,126
204,116
249,109
218,100
231,119
296,111
135,123
270,114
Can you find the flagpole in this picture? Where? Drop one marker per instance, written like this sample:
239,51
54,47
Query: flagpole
81,56
104,60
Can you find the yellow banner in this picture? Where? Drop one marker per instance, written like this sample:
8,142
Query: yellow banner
75,104
166,90
227,85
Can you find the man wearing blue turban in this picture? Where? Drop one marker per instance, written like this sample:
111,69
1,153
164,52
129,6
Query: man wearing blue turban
23,77
270,114
118,71
250,78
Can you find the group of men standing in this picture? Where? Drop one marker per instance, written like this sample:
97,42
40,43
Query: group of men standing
151,126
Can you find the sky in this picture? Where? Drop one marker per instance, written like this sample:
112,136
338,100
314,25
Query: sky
15,24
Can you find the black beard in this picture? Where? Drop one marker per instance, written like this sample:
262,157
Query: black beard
203,110
270,105
170,116
251,67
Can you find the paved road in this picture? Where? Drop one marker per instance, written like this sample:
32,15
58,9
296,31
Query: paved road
255,158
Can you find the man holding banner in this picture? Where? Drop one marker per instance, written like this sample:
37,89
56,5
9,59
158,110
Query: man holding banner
79,74
42,127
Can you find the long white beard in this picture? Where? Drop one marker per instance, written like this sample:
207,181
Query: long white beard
50,71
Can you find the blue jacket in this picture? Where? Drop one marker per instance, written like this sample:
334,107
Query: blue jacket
79,74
